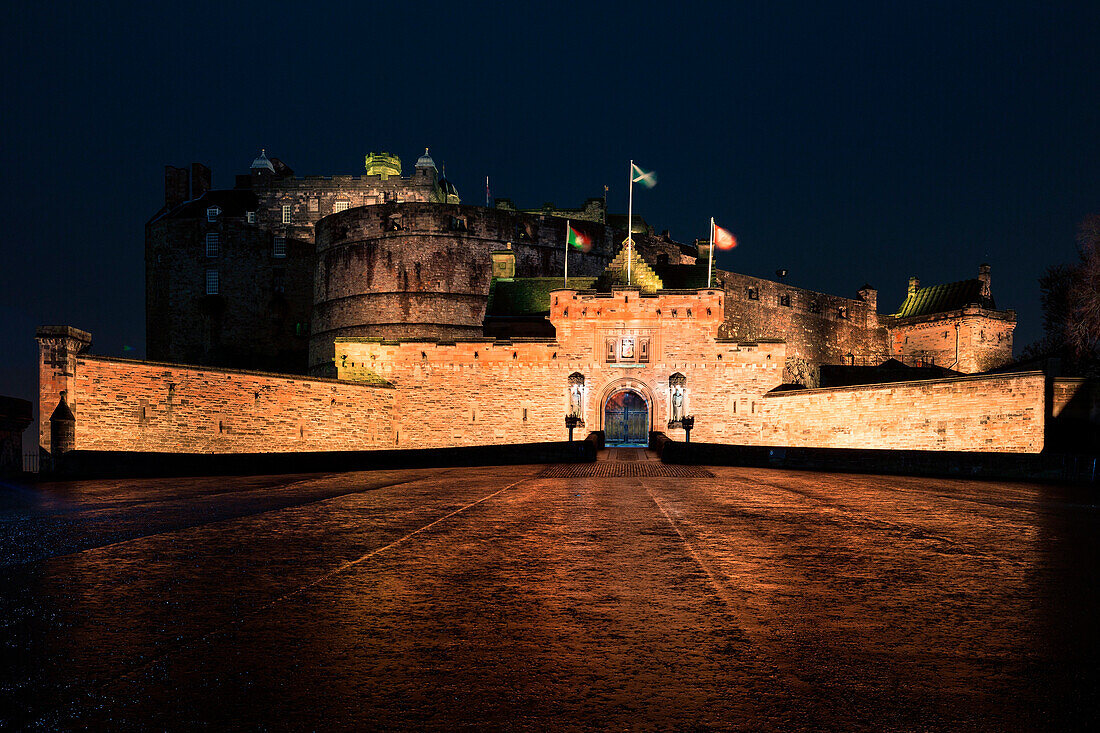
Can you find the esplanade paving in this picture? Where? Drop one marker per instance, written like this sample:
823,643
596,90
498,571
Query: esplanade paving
525,597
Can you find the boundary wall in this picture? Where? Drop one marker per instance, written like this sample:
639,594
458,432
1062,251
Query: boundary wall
1003,413
136,406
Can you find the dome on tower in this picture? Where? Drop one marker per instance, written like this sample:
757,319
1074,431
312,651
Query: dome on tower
263,162
425,160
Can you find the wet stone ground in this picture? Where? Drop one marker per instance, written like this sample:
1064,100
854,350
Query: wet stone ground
533,597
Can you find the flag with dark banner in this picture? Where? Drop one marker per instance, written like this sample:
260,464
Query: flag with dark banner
578,240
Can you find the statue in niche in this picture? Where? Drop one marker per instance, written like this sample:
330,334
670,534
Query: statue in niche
677,403
576,394
575,399
676,385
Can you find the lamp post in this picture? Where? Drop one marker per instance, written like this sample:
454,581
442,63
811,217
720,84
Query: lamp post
572,421
687,422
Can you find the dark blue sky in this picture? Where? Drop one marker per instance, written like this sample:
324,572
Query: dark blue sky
848,144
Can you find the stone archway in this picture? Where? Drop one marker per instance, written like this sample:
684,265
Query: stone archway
626,418
626,413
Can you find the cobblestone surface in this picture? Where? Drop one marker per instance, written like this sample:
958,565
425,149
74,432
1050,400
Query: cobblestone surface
504,598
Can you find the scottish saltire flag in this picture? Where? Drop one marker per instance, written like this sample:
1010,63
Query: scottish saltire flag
637,175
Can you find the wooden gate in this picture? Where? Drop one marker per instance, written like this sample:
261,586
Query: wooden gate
626,419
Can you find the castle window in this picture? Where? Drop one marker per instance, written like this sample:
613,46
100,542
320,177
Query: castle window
458,223
212,213
754,294
212,282
213,245
842,312
815,307
286,213
315,204
250,217
280,247
393,223
341,206
785,299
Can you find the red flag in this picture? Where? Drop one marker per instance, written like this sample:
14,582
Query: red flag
724,239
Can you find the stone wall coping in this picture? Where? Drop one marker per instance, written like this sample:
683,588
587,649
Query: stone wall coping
445,342
754,342
636,289
912,383
784,286
64,331
1073,380
226,370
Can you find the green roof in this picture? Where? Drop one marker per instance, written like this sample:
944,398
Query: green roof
943,298
528,296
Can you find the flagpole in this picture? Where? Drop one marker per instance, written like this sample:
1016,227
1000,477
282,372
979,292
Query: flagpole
710,265
567,253
630,225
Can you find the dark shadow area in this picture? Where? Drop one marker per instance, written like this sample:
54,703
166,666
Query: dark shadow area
118,464
1046,466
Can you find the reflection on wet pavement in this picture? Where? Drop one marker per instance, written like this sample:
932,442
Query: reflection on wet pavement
514,597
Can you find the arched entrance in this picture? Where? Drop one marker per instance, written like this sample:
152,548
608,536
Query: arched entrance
626,418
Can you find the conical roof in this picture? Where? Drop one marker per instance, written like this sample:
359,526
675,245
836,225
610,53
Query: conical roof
263,162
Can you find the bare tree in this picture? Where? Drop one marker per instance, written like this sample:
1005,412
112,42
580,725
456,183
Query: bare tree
1070,296
1083,317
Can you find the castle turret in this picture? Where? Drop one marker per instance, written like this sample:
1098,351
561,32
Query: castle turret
425,162
262,168
383,164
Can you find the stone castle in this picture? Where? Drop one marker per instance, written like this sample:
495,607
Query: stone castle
379,311
268,274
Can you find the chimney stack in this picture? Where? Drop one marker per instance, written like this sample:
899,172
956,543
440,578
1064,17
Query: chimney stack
869,296
914,284
983,276
200,180
176,183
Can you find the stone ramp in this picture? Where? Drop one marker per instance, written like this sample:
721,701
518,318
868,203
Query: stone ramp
623,469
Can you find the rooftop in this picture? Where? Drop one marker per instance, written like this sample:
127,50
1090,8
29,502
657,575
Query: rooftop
943,298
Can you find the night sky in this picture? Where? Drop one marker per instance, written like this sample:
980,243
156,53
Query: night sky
852,144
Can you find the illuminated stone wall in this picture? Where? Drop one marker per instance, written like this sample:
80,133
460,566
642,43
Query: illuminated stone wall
123,405
430,278
1001,413
970,340
818,328
480,392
